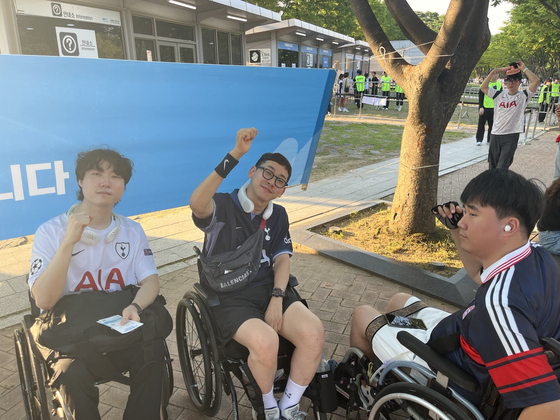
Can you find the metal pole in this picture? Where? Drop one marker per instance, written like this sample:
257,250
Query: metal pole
460,113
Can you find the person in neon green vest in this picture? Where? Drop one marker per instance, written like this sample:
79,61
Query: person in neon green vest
554,94
400,96
486,111
544,99
360,81
386,88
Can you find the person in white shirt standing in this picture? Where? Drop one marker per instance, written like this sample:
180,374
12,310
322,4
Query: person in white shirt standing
509,109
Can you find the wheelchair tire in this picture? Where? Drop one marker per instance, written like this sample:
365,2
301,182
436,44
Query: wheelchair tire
214,356
25,375
193,353
39,371
168,382
417,401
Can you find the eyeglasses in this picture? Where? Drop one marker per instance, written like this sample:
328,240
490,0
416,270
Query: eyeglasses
268,175
512,80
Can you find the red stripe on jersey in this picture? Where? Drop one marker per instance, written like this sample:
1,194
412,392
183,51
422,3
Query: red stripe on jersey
507,264
514,356
473,354
551,377
521,370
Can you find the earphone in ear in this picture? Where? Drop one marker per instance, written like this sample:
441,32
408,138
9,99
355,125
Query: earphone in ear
91,238
507,228
248,206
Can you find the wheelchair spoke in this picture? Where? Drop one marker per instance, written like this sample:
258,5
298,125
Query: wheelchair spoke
193,353
414,401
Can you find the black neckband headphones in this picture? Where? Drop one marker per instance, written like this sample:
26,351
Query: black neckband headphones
248,206
90,237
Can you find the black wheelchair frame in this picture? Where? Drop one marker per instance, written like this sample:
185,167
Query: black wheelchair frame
408,388
207,365
34,375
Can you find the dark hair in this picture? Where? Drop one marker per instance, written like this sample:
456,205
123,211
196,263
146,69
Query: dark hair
359,71
341,76
92,159
552,192
346,74
509,194
516,76
279,159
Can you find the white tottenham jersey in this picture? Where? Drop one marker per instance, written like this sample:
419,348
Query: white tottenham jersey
509,111
109,266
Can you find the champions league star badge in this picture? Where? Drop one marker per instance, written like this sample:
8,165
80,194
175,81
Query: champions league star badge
123,249
36,265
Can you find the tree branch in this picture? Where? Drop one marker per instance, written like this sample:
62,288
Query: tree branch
411,25
451,33
378,41
556,10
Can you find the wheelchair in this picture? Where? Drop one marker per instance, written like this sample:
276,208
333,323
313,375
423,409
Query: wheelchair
34,375
208,365
405,389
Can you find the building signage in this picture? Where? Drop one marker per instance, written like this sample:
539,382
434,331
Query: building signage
306,49
288,46
73,42
255,56
60,10
322,51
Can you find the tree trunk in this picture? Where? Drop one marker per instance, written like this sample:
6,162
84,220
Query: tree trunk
433,89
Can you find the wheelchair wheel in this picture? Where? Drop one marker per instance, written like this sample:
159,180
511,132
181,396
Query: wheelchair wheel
168,382
414,401
32,377
39,371
25,375
214,357
193,353
198,354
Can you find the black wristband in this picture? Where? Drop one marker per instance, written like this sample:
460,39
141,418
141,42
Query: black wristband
138,309
226,165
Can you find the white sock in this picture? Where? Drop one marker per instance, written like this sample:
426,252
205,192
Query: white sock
292,395
269,400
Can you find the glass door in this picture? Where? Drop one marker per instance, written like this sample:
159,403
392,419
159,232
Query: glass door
187,53
173,52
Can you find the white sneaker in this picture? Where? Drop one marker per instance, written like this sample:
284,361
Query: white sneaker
345,110
270,414
479,143
339,109
293,413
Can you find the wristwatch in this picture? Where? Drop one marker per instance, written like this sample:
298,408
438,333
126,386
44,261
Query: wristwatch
277,292
138,308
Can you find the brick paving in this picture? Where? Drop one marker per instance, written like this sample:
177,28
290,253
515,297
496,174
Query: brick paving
332,289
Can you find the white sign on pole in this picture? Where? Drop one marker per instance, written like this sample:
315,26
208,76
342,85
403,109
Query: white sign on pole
73,42
60,10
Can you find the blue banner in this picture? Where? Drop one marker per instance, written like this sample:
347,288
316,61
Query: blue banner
175,121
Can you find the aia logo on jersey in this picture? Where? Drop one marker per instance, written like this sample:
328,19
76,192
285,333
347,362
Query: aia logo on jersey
123,249
507,104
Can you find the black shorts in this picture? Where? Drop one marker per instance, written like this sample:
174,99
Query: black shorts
235,310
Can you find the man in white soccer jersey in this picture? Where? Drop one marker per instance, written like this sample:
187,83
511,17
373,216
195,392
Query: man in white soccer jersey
90,248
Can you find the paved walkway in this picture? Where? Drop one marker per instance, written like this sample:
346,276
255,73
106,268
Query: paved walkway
333,289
